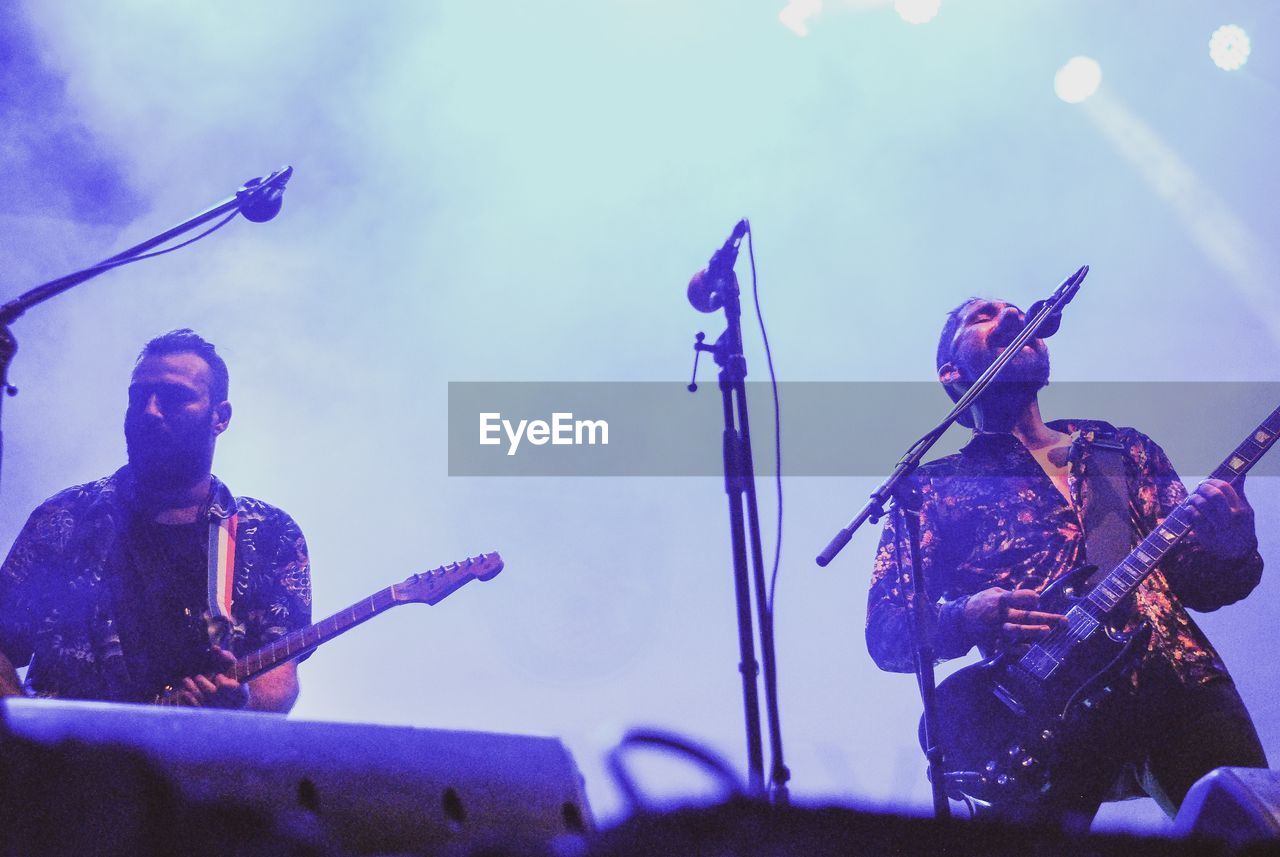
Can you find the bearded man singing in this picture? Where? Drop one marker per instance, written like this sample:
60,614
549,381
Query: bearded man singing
1017,509
145,586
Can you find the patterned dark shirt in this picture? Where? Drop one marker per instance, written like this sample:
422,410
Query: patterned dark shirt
993,517
60,585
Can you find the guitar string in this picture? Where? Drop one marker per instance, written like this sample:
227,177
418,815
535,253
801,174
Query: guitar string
1060,642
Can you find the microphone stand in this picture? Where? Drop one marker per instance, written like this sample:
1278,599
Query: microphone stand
740,485
906,504
257,199
920,619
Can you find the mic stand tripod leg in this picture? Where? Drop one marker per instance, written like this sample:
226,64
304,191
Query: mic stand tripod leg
907,504
735,478
778,773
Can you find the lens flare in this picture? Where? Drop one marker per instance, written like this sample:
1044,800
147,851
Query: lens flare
1077,80
1229,47
797,13
917,11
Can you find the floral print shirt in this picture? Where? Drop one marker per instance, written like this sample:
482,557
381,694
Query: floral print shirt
991,516
60,584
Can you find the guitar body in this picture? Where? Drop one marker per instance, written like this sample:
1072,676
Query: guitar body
1035,722
1012,736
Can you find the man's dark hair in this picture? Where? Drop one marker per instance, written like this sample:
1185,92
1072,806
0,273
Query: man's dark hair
949,328
187,341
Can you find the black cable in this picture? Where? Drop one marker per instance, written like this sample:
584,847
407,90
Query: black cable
705,757
212,229
778,781
777,415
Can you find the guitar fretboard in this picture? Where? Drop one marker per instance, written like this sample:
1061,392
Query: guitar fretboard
305,639
1144,558
428,587
1044,657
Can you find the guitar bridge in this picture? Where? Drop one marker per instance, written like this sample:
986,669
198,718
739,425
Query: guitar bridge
1039,663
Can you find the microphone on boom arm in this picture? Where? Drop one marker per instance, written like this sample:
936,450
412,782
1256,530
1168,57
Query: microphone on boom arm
263,197
705,292
1053,322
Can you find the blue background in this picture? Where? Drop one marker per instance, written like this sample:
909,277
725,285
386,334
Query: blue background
507,191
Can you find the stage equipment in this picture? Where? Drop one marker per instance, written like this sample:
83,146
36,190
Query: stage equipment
744,828
373,789
703,757
258,199
1238,806
716,287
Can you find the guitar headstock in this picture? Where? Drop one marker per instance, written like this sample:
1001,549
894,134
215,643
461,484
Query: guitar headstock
431,587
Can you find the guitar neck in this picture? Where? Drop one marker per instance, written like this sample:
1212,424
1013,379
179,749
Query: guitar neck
303,640
1144,558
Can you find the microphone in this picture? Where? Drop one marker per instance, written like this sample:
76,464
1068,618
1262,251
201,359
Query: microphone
262,198
1051,324
704,290
1054,321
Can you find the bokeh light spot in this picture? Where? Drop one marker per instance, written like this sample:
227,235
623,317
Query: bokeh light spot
1077,80
1229,47
796,14
917,11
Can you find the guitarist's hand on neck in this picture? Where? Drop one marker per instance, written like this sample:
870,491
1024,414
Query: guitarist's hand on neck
1223,520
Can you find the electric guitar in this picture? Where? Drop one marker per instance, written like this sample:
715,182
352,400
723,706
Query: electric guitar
428,587
1011,723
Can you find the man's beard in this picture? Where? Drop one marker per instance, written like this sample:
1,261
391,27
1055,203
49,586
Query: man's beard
171,457
1017,385
1027,369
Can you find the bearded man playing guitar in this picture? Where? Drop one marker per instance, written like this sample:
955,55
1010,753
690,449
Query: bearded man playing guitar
109,589
1006,518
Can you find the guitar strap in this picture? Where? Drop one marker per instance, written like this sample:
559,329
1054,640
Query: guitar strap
1108,527
1109,536
222,566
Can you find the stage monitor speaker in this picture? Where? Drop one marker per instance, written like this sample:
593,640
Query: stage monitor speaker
1239,806
742,828
372,789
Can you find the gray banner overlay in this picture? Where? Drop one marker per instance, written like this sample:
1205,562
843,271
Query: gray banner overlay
828,428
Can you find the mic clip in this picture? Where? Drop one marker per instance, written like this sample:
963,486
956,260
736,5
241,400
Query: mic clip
261,198
699,346
707,288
